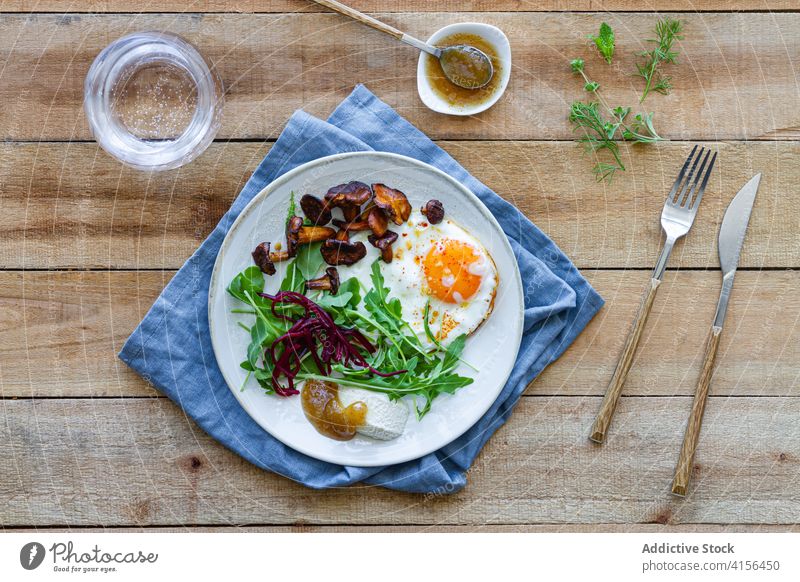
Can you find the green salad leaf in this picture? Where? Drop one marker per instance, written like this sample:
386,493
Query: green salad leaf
306,264
251,281
604,41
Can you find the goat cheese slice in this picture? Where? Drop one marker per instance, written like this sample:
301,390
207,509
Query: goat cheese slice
385,419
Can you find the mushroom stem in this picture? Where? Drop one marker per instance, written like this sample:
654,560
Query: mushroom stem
310,234
265,259
278,256
327,282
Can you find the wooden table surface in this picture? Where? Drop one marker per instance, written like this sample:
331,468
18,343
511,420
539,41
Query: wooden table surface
87,245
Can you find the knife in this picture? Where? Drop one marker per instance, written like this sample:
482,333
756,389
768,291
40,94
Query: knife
731,239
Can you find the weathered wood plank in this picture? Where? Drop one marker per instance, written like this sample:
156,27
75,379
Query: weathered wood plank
140,462
72,206
60,332
478,528
733,80
267,6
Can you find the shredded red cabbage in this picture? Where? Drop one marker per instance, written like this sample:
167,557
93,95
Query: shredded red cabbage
314,333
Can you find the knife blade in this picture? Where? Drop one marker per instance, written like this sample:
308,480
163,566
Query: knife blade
731,239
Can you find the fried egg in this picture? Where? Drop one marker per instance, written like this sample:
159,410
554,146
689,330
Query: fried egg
441,265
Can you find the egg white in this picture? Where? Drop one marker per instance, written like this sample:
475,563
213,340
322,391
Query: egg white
405,278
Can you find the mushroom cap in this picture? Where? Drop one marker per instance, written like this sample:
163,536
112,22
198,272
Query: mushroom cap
394,202
433,211
333,274
352,193
384,243
262,259
315,210
293,226
381,242
378,221
339,252
352,226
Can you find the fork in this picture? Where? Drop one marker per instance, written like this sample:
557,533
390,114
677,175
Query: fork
677,218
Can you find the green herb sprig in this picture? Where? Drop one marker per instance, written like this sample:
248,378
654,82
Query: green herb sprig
601,128
667,31
604,41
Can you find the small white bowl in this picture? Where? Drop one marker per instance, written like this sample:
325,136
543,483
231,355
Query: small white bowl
493,36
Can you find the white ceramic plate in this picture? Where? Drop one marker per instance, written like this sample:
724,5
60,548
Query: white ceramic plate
492,349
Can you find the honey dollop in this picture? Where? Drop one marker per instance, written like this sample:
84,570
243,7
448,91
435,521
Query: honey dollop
325,412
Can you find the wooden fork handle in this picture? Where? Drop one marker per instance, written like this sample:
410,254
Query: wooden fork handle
361,17
600,426
683,471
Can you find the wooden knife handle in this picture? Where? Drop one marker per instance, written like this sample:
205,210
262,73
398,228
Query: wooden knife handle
683,471
600,426
361,17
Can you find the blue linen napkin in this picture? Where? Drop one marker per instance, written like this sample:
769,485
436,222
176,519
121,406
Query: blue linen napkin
171,348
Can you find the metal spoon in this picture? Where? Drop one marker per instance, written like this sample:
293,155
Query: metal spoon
463,65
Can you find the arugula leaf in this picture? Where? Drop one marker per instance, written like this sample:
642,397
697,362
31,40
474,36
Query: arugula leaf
306,264
260,333
426,323
388,314
605,42
381,293
251,280
331,302
353,287
387,311
453,353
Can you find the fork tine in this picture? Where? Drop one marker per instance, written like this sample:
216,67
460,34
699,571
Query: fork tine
680,176
696,181
703,185
682,196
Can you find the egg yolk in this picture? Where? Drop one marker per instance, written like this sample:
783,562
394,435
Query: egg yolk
448,268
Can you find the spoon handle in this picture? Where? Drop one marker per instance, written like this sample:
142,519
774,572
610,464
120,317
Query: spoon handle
378,25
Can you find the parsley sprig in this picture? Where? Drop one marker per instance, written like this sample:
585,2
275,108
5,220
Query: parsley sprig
604,41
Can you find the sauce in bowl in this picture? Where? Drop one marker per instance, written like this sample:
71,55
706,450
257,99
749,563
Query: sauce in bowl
452,93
